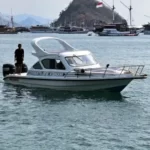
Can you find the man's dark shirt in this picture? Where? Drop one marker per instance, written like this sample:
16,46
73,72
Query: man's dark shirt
19,55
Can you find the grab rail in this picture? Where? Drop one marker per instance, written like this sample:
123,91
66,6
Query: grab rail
135,70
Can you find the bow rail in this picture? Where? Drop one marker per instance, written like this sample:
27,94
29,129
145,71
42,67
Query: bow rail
134,70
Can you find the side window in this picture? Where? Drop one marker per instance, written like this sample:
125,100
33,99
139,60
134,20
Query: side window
37,66
46,63
59,65
53,64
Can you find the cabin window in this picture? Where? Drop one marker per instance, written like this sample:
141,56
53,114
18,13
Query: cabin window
84,60
37,66
53,64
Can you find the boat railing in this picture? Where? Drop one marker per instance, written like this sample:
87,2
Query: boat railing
135,70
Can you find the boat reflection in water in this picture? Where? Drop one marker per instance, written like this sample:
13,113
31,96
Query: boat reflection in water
92,96
41,94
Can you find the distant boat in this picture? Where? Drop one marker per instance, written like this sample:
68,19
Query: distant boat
7,30
60,30
72,30
22,29
146,29
116,30
42,29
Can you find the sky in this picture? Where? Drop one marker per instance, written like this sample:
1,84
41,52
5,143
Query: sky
51,8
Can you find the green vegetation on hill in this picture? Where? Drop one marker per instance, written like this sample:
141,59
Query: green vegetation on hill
84,12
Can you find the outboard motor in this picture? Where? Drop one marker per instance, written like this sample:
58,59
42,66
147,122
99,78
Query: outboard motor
24,68
8,69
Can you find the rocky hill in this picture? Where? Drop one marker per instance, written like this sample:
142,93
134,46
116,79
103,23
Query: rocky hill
84,12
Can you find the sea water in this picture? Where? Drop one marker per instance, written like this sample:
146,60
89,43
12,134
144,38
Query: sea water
41,119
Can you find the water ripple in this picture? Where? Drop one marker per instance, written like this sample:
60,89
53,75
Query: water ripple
40,119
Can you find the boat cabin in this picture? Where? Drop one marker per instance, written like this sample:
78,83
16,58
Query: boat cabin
121,27
63,61
70,29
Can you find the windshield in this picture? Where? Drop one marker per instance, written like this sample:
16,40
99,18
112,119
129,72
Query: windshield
84,60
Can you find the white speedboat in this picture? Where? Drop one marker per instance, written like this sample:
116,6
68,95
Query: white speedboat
42,29
71,70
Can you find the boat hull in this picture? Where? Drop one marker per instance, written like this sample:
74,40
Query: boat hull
116,85
60,32
118,34
73,32
146,32
15,32
47,31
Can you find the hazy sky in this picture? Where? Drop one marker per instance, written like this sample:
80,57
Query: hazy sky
52,8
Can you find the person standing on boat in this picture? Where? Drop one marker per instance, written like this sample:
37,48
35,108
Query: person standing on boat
19,57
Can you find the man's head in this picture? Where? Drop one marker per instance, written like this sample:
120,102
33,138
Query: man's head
19,46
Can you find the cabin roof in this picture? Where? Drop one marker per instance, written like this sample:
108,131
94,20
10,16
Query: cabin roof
40,52
76,53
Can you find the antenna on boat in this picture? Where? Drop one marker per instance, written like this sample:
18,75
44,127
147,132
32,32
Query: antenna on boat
113,9
0,18
12,20
130,11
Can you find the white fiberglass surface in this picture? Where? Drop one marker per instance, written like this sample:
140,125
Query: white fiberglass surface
51,46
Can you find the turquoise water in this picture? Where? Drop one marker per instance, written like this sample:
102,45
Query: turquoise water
40,119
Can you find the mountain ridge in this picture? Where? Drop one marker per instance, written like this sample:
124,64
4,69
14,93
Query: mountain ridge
41,20
29,22
24,20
